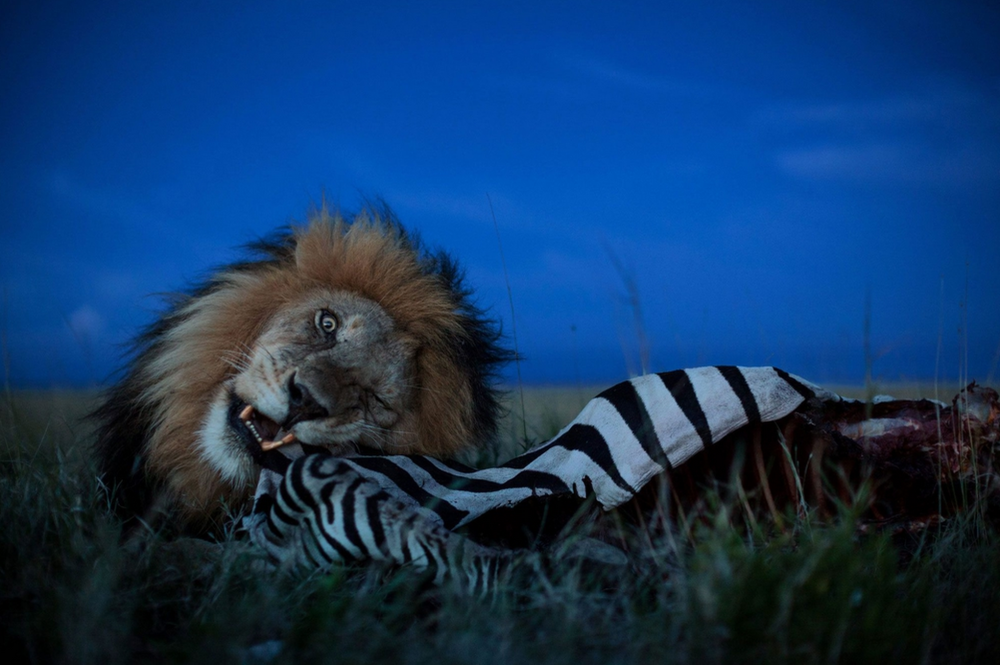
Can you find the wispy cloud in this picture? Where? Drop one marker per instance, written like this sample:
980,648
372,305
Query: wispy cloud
893,163
948,136
595,69
882,111
605,71
571,73
933,105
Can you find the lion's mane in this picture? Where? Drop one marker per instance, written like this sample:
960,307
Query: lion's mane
149,420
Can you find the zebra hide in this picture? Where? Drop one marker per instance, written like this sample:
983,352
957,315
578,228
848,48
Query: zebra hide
313,509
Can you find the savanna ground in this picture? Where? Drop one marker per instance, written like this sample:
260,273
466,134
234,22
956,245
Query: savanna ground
71,591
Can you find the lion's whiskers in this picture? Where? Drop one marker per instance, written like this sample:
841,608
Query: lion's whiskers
379,428
240,364
382,436
238,358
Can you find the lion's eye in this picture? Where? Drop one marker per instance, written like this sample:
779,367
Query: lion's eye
326,321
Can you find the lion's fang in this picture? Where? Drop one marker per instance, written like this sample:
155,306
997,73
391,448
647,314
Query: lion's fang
245,415
271,445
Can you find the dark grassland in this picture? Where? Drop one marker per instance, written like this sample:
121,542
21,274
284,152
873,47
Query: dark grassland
71,592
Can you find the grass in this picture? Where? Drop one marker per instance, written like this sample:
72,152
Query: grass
70,591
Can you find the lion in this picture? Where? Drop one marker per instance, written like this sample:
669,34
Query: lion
342,333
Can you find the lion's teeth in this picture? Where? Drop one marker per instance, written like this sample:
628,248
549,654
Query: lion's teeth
246,415
271,445
253,430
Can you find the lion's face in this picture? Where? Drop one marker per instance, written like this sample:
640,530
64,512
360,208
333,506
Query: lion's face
331,370
342,334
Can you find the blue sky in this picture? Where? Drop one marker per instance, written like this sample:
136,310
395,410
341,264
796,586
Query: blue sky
757,172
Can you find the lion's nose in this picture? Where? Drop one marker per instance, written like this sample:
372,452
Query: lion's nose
301,404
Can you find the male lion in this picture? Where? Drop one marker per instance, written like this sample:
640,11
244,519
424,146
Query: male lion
345,334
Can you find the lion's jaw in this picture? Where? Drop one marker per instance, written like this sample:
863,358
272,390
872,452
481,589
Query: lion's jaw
332,370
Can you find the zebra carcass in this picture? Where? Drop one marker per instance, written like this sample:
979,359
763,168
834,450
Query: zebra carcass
668,447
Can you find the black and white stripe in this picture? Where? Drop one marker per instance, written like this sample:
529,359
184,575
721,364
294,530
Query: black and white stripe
324,512
320,509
